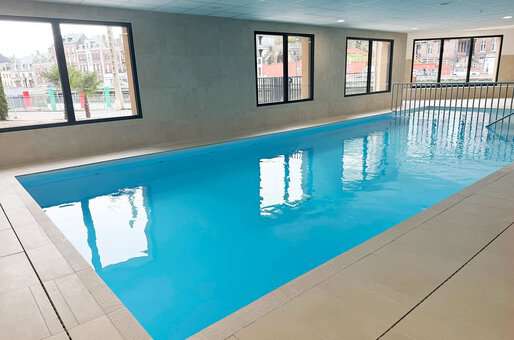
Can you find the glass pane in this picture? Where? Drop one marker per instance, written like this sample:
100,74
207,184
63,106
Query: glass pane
30,90
425,65
381,54
486,55
100,71
270,68
455,60
356,66
299,67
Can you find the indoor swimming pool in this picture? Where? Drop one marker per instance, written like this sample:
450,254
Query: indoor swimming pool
186,237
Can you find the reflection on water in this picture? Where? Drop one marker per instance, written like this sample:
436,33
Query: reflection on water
203,232
284,180
106,230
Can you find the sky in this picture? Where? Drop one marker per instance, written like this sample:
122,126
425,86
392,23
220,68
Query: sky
25,38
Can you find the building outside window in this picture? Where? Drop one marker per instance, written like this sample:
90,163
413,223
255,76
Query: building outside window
284,67
368,66
462,59
100,83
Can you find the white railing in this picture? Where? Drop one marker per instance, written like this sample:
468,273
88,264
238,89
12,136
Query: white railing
495,100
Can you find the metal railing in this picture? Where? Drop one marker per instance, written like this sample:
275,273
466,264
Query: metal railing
44,103
357,82
271,89
497,98
493,101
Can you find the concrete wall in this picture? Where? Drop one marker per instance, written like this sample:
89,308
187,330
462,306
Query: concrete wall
197,83
506,72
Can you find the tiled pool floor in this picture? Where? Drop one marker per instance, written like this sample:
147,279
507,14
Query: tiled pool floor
444,274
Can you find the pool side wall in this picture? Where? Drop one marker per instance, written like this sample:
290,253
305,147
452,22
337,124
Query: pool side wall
197,83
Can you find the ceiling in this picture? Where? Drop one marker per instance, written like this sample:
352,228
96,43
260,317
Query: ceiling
389,15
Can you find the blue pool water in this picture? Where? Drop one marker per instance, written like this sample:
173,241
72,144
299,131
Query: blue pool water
185,238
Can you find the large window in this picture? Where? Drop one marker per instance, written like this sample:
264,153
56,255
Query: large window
456,59
283,67
426,60
59,72
368,66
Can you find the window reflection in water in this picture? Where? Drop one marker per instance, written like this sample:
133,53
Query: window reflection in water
107,229
284,181
363,159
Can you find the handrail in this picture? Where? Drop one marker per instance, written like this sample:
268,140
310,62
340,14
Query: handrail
499,120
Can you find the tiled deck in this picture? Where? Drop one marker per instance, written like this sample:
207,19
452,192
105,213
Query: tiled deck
444,274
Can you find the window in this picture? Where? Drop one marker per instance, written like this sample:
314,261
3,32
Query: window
59,72
426,61
283,67
456,59
485,61
368,66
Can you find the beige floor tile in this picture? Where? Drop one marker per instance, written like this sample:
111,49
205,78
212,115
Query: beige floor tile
98,329
61,305
16,273
103,295
46,309
82,304
490,205
72,256
477,213
127,325
20,318
19,216
60,336
317,314
499,190
404,276
448,239
4,224
477,303
9,243
49,263
32,236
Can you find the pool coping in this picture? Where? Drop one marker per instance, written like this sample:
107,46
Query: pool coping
107,316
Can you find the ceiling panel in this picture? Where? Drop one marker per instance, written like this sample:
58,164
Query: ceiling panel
390,15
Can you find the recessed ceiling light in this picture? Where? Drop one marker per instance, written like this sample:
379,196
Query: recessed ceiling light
340,20
507,17
415,28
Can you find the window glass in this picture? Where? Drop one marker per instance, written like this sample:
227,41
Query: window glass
365,73
455,60
455,65
100,70
486,55
299,64
380,63
270,68
356,66
426,61
30,91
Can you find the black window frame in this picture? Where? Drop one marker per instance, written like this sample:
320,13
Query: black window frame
370,57
63,71
470,61
285,62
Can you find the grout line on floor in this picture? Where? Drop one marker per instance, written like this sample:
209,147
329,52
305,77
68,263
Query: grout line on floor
2,210
444,281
